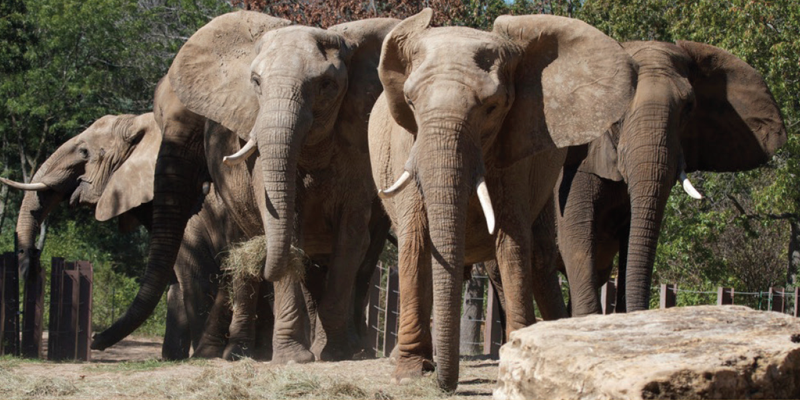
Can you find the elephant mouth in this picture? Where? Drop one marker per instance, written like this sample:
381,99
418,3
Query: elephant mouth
78,196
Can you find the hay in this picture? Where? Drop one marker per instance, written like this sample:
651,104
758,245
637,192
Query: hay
245,261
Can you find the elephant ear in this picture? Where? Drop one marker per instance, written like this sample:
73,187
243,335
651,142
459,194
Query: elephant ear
396,65
601,156
211,72
736,124
365,39
131,185
571,83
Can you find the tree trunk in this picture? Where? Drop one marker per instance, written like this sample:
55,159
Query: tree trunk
794,252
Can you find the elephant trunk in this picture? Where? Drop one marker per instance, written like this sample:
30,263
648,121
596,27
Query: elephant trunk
35,207
178,179
447,189
280,130
650,169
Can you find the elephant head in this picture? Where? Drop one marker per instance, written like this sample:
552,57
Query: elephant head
298,91
697,107
479,102
109,165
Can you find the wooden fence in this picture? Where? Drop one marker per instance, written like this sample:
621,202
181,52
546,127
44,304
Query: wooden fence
70,322
775,299
9,305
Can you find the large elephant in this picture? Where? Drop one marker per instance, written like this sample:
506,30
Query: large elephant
301,97
110,167
696,108
465,112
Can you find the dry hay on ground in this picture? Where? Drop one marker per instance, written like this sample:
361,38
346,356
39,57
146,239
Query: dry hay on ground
109,376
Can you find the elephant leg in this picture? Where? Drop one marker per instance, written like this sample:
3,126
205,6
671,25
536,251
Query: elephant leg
265,323
514,258
623,259
313,287
289,335
546,289
577,239
352,242
215,332
196,270
414,342
176,337
242,329
379,231
493,272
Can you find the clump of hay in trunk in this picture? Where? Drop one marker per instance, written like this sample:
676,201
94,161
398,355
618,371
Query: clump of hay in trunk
245,262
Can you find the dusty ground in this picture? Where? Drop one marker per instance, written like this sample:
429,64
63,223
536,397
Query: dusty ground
132,370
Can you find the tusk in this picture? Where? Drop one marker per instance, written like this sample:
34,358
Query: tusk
243,154
25,186
486,204
206,187
687,186
397,187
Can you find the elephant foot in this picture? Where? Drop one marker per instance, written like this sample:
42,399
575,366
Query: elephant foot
410,369
236,351
336,352
295,353
208,351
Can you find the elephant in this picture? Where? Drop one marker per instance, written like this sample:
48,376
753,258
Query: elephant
468,112
300,97
696,108
110,167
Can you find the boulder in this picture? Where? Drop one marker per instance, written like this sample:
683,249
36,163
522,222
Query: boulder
708,352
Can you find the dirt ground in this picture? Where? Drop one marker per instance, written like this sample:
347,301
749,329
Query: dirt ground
131,369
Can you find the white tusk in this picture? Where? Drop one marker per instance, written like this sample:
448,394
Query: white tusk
687,186
243,154
397,187
25,186
486,204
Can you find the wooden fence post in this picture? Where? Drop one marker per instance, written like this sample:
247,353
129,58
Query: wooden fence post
33,311
9,305
724,296
373,303
392,312
777,299
86,275
56,269
669,295
797,301
608,296
492,331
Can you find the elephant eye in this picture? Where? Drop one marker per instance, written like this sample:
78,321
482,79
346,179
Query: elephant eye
327,85
490,109
256,80
410,103
84,153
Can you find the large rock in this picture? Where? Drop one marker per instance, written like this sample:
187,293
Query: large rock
688,352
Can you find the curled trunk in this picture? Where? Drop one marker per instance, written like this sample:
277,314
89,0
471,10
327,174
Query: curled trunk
177,190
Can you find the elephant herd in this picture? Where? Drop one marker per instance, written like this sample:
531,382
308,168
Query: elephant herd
540,140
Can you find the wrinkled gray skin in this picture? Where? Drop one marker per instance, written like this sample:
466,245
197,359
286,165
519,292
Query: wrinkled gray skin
308,114
109,167
696,108
460,105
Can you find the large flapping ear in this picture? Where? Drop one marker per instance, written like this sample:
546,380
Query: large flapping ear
736,124
211,72
131,185
395,65
571,83
365,38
